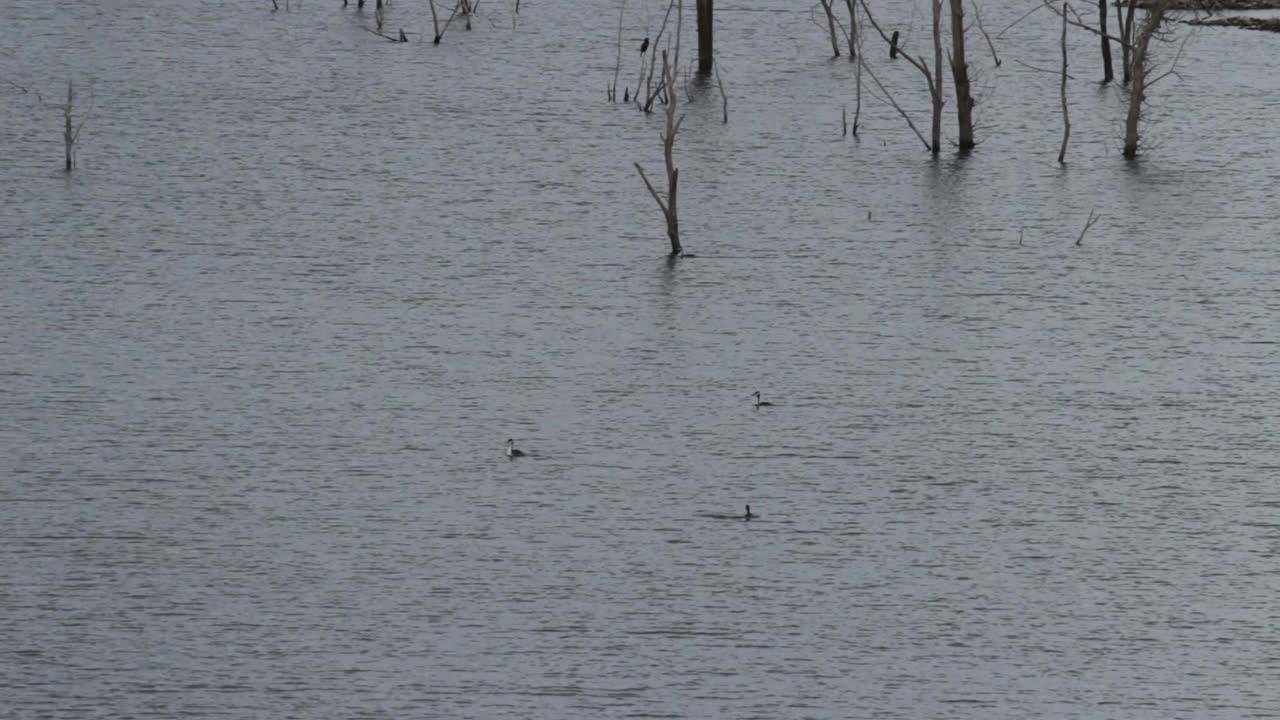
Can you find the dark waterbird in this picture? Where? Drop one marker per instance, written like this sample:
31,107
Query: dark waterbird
760,403
644,46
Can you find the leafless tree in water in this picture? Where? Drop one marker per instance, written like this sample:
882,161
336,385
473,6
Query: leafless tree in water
932,76
668,144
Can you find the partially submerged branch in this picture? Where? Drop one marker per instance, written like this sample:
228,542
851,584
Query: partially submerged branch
1093,220
403,37
68,136
724,99
889,99
617,67
436,22
1066,119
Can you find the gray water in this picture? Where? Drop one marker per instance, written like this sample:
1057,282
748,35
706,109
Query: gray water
262,349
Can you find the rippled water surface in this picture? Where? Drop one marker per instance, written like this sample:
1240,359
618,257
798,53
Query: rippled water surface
262,349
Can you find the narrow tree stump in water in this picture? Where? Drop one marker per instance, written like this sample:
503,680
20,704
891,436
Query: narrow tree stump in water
705,22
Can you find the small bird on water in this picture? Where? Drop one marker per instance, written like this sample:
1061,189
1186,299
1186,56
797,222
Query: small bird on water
760,403
512,452
644,46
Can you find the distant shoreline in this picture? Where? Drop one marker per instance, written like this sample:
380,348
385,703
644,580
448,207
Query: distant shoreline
1216,4
1248,23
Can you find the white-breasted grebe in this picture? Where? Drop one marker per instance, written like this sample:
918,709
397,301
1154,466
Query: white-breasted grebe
759,403
512,452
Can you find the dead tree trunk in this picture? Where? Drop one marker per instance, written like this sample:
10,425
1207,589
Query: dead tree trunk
724,99
706,58
831,26
668,144
960,76
853,32
855,53
1138,93
1107,75
68,132
1066,119
1125,22
935,88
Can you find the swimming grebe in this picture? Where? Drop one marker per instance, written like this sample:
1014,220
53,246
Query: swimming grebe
748,516
512,452
756,395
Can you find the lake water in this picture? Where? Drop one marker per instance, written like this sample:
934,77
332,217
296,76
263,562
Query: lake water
262,349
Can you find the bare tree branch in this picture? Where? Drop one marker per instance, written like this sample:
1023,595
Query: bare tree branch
1090,28
1024,16
919,65
661,205
982,29
1173,67
893,103
1039,69
653,60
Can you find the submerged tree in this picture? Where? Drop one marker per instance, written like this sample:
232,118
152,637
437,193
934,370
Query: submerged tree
71,130
855,53
706,22
831,26
1138,63
853,29
460,6
668,143
1066,117
933,78
1107,74
1140,72
613,86
1124,21
960,76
